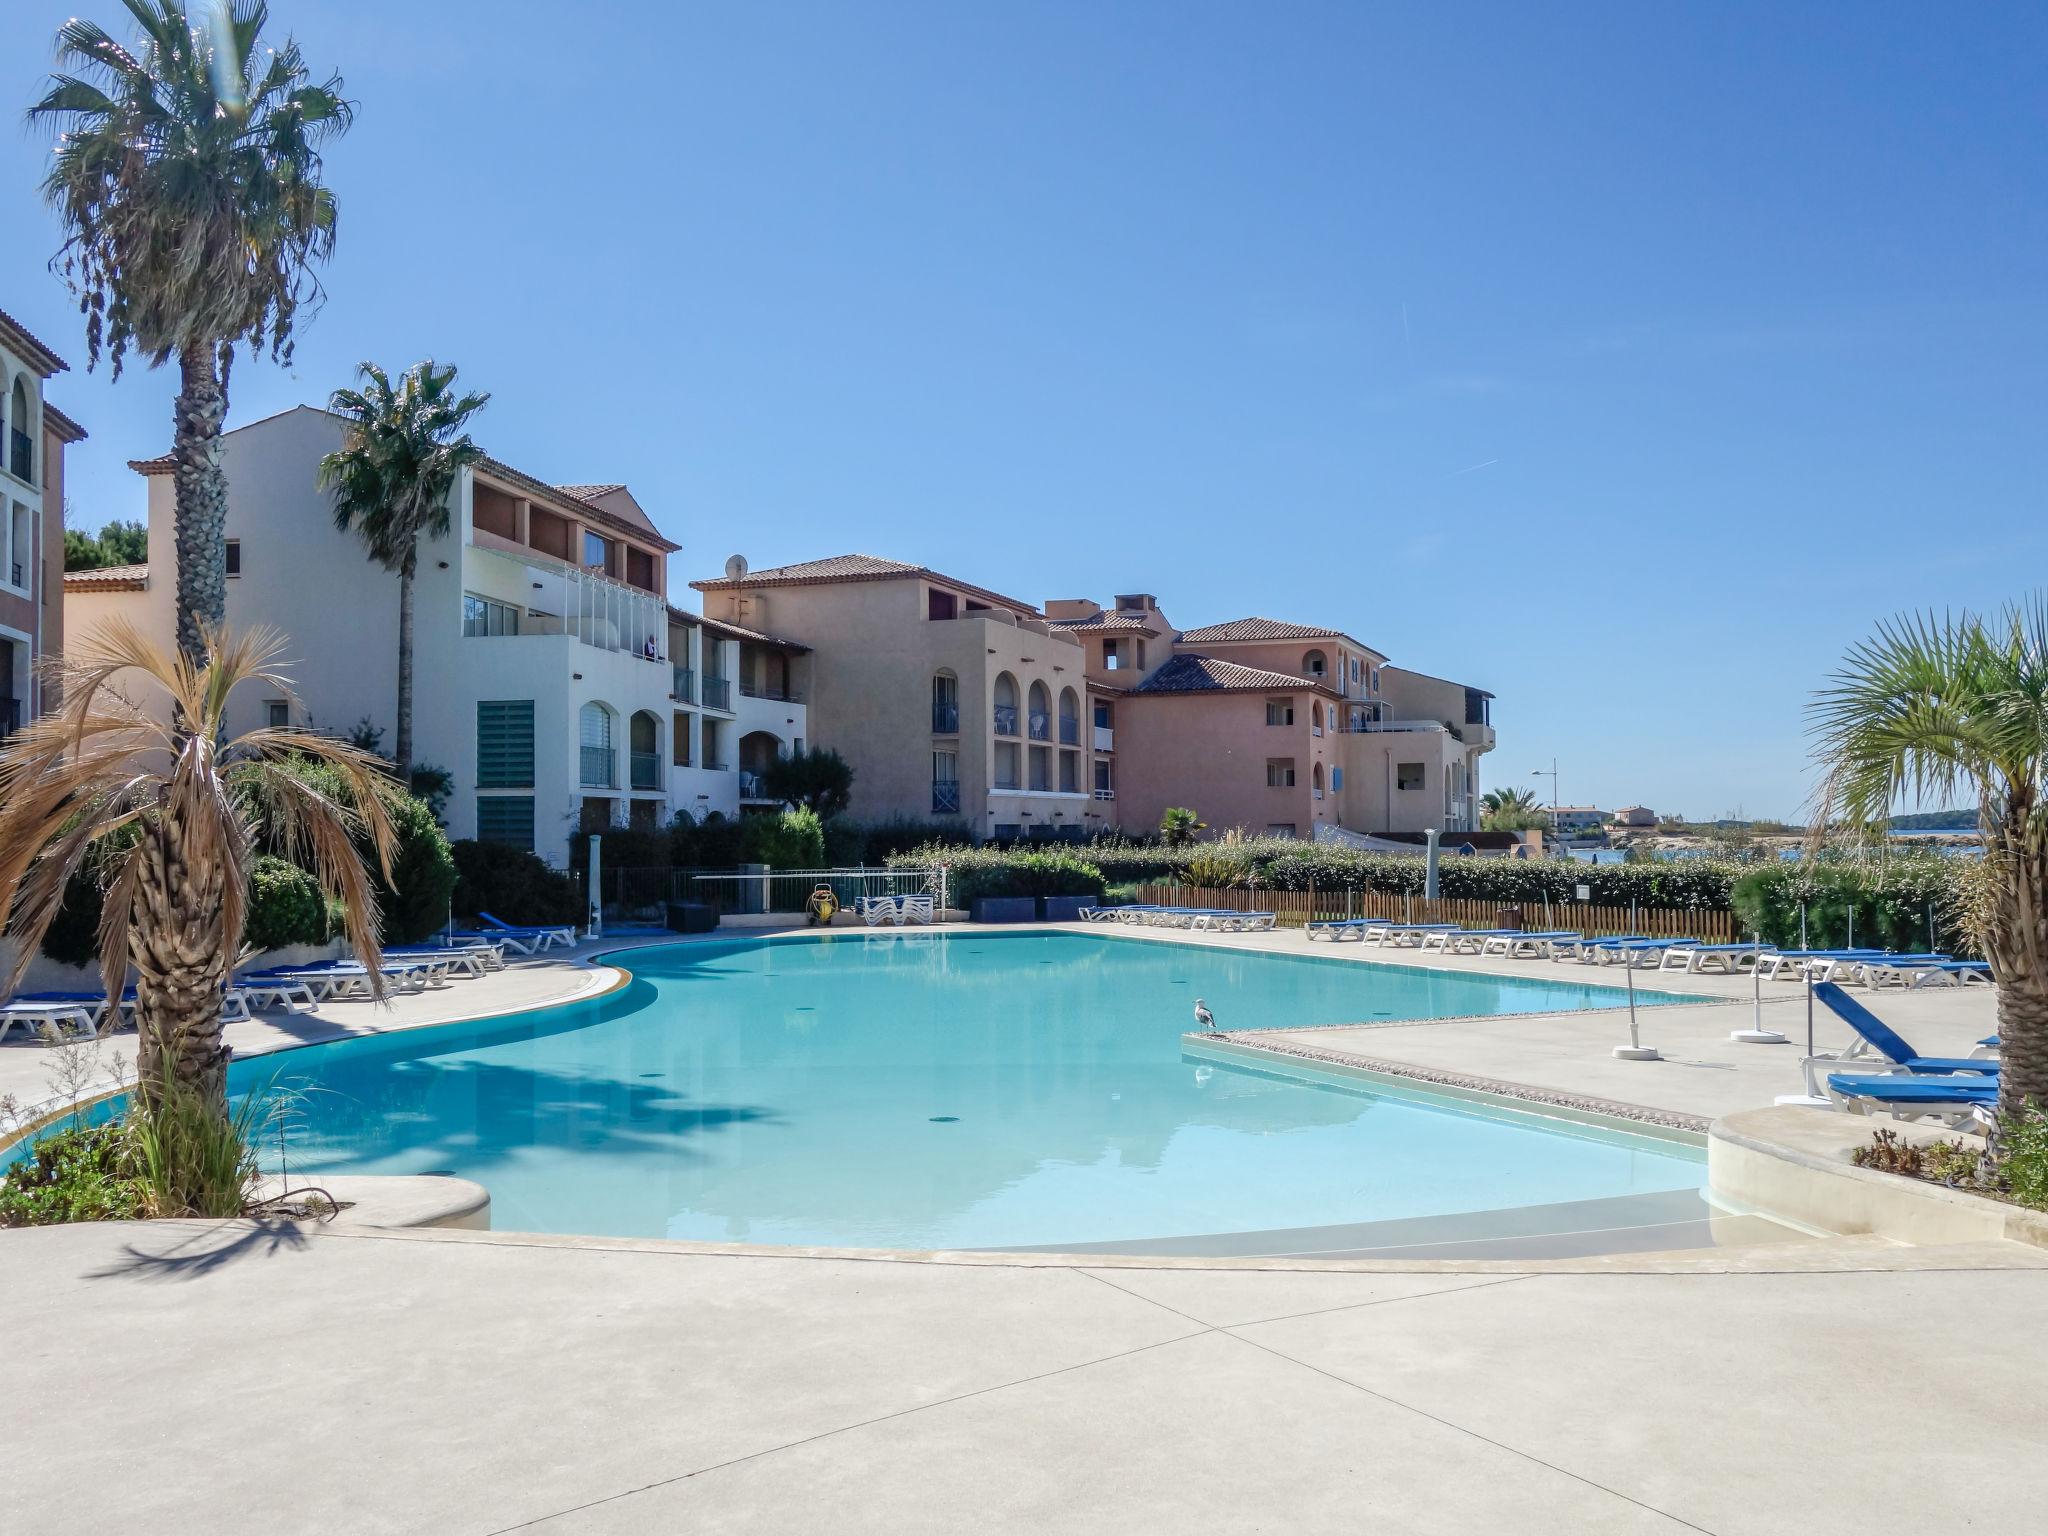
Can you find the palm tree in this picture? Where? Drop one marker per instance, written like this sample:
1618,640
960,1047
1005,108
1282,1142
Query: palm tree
391,480
1516,800
1929,708
187,174
168,812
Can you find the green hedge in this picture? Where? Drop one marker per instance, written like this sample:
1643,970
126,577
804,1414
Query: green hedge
512,884
285,906
1904,903
1892,900
422,874
972,873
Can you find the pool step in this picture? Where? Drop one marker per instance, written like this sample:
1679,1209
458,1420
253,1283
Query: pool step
1571,1229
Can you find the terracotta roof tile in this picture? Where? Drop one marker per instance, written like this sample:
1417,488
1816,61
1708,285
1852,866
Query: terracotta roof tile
1105,624
67,430
1258,629
21,339
1205,674
837,568
108,578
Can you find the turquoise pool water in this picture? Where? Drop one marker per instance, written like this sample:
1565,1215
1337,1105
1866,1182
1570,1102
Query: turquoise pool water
940,1091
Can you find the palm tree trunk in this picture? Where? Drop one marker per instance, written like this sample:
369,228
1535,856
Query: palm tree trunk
202,497
2017,946
181,958
403,751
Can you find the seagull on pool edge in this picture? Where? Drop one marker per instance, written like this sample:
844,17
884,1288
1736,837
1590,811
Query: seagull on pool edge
1203,1016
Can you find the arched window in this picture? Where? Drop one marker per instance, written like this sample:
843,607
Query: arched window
1070,718
1041,713
1315,716
1315,664
1315,778
21,449
945,704
600,769
644,735
1006,704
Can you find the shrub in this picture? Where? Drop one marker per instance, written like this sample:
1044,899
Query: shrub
712,843
513,884
422,870
285,905
1179,825
1897,903
819,780
793,840
422,873
2023,1157
73,937
79,1173
973,873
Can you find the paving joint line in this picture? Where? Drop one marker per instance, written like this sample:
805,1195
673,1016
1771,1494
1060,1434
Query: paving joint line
1232,1331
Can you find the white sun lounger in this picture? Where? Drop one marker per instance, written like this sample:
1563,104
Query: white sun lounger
914,909
79,1018
1698,959
1515,945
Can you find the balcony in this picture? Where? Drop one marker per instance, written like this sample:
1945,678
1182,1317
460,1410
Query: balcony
945,797
558,599
1070,731
751,787
600,765
683,689
646,768
10,717
1041,726
1105,738
712,766
18,574
20,454
945,719
1006,722
1105,794
717,692
775,691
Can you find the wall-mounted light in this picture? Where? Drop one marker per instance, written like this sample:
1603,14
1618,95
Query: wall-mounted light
442,563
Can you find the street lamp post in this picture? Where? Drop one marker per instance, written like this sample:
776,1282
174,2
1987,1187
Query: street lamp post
1550,773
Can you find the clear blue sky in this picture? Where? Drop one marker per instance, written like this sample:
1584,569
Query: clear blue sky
1627,360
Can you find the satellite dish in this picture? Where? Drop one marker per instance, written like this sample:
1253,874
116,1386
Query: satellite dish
736,567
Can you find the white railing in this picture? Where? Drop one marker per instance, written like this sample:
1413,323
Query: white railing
750,892
1105,738
558,599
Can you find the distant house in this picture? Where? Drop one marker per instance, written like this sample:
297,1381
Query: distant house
1635,816
1577,818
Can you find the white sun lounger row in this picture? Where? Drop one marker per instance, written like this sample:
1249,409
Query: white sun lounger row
1210,919
897,910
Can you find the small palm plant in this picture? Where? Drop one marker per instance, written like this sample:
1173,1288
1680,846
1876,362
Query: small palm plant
169,807
187,174
1513,801
1180,826
391,480
1930,708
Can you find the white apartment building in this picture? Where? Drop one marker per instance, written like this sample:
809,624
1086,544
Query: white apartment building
550,676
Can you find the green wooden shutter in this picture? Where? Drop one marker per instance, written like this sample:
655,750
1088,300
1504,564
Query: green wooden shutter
504,744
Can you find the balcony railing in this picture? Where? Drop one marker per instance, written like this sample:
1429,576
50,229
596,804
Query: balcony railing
683,690
945,719
599,766
1008,782
646,770
1006,721
1041,781
945,797
711,766
717,692
1105,794
20,454
1041,725
1070,731
17,573
778,693
1105,738
751,787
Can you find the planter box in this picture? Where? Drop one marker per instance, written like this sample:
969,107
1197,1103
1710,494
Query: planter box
1066,909
691,917
1006,909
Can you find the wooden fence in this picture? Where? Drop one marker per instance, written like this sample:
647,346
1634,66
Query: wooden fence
1294,908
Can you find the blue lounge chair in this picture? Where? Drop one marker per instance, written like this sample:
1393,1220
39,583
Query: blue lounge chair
1873,1033
1727,958
1952,1100
549,934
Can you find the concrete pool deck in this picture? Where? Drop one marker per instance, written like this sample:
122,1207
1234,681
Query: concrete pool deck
443,1381
265,1379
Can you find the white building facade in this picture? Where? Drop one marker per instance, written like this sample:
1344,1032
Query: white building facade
545,676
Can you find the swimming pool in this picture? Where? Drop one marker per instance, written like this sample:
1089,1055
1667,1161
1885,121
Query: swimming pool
949,1091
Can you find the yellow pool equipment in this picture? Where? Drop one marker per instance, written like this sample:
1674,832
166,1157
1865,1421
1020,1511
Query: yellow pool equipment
822,905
